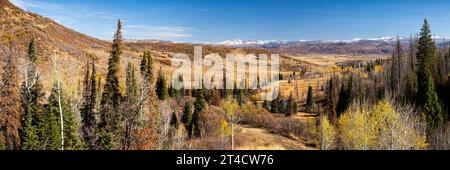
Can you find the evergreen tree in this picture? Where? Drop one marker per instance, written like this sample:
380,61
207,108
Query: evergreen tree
174,120
281,76
171,91
130,107
182,91
9,104
426,94
345,96
29,134
88,111
199,106
291,106
187,115
147,66
240,96
72,140
214,97
161,86
31,94
51,127
148,100
331,98
104,139
310,100
275,105
111,95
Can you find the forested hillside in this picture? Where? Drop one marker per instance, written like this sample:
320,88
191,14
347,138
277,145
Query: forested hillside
62,90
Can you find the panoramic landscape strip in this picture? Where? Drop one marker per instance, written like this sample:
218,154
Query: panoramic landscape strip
150,87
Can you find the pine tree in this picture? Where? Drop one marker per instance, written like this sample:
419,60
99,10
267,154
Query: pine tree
291,106
10,104
181,92
31,94
275,105
310,100
88,111
49,128
29,134
345,97
214,97
426,94
171,91
111,95
147,132
281,76
187,115
174,120
72,140
331,98
199,106
240,96
147,66
130,107
161,86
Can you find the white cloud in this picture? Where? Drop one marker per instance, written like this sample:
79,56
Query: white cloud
36,4
19,3
71,15
62,13
157,32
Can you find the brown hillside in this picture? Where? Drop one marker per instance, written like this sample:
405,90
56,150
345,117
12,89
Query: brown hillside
19,26
70,49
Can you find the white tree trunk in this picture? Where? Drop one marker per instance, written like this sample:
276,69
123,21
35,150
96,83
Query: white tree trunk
55,67
232,136
61,116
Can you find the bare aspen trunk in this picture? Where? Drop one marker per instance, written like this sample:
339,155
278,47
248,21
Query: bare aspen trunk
55,67
232,136
61,116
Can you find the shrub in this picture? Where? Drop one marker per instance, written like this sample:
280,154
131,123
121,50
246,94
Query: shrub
383,127
326,134
440,138
210,122
285,126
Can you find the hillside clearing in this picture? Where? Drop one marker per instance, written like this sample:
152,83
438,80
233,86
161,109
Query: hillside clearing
250,138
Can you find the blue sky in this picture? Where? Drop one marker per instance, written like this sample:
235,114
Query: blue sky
220,20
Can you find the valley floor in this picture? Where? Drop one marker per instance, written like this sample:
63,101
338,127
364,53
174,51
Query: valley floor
251,138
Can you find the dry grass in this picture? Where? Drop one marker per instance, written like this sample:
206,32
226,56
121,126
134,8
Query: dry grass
250,138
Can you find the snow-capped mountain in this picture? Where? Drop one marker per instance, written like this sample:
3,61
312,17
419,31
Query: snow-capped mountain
250,42
379,45
240,42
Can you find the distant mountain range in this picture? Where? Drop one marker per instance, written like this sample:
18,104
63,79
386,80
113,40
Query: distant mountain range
19,25
381,45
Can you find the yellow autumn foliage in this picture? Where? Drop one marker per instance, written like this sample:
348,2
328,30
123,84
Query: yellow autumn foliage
379,68
381,128
326,134
348,69
355,132
225,128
